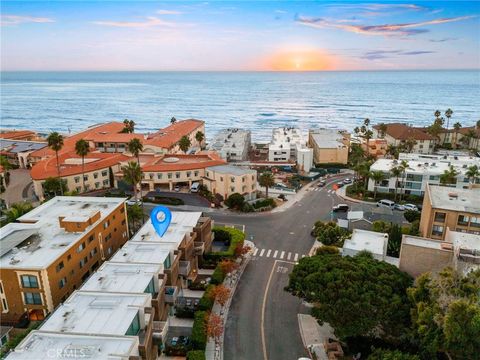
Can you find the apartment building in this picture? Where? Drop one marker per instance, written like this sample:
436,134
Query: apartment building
53,249
422,169
329,146
288,144
465,137
399,134
459,250
43,345
456,209
232,144
108,151
227,180
375,147
17,152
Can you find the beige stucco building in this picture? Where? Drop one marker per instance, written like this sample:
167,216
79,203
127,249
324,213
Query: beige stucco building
227,180
329,146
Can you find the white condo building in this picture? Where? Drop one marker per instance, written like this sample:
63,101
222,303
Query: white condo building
289,144
422,169
232,144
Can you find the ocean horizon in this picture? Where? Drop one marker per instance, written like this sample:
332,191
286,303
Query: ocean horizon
69,101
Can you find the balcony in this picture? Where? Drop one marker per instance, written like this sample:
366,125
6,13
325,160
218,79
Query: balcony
199,247
184,268
171,293
160,329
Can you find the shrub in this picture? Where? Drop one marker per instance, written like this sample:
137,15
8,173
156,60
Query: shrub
247,208
206,301
412,215
381,354
164,200
323,250
265,203
222,235
237,240
199,330
329,233
218,276
381,226
235,201
196,355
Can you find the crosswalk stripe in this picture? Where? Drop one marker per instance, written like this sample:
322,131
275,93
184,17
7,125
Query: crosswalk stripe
296,257
255,252
275,254
268,252
261,252
282,254
289,256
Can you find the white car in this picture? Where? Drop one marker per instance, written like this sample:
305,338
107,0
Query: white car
399,207
410,207
132,201
176,188
347,181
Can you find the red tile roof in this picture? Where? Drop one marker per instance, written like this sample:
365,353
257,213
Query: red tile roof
401,131
169,136
17,134
48,168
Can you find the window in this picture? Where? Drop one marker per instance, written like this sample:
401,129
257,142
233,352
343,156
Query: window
109,250
5,306
97,185
463,220
208,174
95,175
29,281
60,266
434,177
93,252
232,188
104,173
106,182
33,298
150,289
189,173
85,177
243,179
159,176
437,230
151,176
232,179
108,237
167,263
78,188
134,327
62,283
169,175
81,247
439,217
123,222
177,175
90,238
106,224
83,262
69,257
475,221
1,288
221,178
77,179
195,173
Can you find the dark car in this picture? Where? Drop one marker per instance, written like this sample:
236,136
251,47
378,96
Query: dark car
340,184
340,208
322,183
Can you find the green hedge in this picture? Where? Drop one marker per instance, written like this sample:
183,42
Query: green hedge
264,203
206,301
14,341
199,330
164,200
237,239
196,355
355,189
218,276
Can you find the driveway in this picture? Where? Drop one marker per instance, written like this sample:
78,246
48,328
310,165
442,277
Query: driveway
20,187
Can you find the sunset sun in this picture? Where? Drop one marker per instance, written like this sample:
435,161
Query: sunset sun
303,60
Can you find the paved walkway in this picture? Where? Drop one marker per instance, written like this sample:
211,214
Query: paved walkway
314,335
20,187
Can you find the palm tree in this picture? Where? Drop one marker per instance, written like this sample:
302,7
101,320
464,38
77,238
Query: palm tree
392,150
410,144
449,176
448,115
82,149
473,174
129,126
135,146
376,176
396,171
266,180
457,127
364,172
132,175
199,136
403,166
55,142
173,120
184,143
382,130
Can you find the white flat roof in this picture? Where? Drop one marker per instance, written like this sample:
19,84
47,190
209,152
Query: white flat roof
96,313
231,170
122,277
463,240
182,223
456,199
371,241
143,252
41,345
35,245
328,138
422,242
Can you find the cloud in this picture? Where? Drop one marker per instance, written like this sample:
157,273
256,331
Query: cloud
404,29
383,54
7,20
168,12
443,40
148,22
376,9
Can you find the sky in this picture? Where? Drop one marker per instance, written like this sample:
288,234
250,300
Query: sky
239,36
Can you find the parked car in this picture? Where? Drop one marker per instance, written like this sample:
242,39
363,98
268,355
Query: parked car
399,207
132,201
322,183
340,184
386,203
340,208
347,181
176,188
410,207
195,187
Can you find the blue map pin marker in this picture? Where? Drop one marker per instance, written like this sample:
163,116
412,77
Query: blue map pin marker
161,226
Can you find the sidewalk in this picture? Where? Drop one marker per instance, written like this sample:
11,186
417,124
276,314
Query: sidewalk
313,335
342,193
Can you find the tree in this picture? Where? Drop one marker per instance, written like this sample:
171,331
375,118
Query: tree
410,144
473,174
396,172
135,147
446,313
266,180
16,210
214,327
403,166
365,132
381,354
448,115
82,149
220,294
449,176
411,215
173,120
228,266
329,233
457,126
357,296
437,127
184,143
393,151
235,201
52,186
55,142
134,214
377,177
382,130
394,240
128,126
132,175
5,163
199,136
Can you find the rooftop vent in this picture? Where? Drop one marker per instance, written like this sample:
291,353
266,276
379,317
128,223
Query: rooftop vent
452,195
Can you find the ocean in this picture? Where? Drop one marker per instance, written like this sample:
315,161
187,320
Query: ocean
259,101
